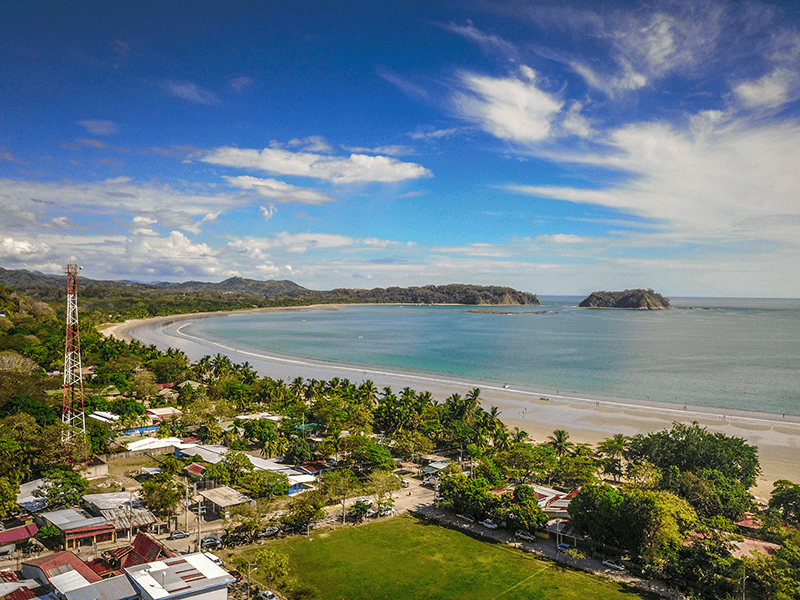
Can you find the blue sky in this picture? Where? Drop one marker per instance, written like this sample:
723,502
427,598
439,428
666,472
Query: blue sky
556,148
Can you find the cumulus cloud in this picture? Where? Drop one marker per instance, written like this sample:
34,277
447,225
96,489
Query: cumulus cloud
268,211
100,127
356,168
279,191
189,91
11,248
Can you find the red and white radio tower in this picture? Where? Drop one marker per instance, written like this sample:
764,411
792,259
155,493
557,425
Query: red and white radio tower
72,409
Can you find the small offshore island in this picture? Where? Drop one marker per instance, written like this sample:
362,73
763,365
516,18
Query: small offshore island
637,299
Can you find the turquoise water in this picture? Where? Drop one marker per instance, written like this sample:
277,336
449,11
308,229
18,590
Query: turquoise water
723,353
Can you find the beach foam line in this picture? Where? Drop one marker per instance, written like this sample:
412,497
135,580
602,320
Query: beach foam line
616,404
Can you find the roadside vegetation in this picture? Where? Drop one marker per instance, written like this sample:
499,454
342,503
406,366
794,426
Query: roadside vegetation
667,502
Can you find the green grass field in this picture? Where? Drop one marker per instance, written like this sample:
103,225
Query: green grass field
406,558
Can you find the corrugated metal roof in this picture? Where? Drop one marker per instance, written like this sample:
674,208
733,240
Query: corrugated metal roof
224,496
113,588
163,578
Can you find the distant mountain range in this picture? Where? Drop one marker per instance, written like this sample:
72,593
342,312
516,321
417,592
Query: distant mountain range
41,285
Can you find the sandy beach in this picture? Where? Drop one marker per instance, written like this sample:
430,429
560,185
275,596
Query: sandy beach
588,420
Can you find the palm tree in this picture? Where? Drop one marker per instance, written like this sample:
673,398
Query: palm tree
519,436
613,450
559,441
369,393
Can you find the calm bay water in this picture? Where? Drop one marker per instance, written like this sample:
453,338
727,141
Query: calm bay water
723,353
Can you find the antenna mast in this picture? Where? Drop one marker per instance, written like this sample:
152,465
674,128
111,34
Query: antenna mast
72,408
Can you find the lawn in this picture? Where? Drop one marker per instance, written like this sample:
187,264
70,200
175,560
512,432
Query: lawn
406,558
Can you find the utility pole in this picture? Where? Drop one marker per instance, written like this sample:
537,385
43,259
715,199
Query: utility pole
186,504
72,414
199,518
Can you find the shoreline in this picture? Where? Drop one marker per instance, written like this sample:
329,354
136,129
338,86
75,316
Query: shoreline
587,419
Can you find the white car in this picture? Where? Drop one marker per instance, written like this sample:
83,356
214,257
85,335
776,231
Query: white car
521,534
612,565
489,524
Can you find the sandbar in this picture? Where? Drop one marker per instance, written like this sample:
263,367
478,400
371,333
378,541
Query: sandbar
586,419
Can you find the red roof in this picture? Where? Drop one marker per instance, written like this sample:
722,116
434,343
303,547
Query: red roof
99,566
18,534
8,576
164,386
22,593
751,521
143,550
55,562
196,469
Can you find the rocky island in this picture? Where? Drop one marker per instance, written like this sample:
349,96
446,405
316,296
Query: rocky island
628,299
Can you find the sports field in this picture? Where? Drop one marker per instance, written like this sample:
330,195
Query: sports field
406,558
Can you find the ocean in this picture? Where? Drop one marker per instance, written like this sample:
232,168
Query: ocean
737,354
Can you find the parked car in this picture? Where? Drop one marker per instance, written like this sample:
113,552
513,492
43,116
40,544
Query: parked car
178,534
214,558
269,532
235,539
266,595
562,547
236,575
467,518
521,534
488,524
612,565
210,541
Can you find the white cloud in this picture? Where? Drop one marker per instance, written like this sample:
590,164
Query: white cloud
717,180
563,238
100,127
628,80
279,191
509,108
312,143
189,91
770,91
434,134
292,243
491,44
393,150
353,169
11,248
118,195
268,211
478,249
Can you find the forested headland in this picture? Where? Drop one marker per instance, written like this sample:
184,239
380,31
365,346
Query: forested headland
114,301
